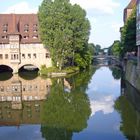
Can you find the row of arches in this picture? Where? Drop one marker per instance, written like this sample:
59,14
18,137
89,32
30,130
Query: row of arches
6,68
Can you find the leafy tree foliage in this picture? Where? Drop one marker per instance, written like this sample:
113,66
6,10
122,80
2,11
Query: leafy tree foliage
128,34
64,29
115,49
97,49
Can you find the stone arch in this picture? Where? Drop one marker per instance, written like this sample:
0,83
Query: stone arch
4,66
22,65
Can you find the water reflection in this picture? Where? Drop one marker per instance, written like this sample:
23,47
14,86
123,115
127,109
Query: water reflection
88,106
66,112
103,91
21,100
128,105
59,105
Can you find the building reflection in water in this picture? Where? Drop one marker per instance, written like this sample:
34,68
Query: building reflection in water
21,100
128,105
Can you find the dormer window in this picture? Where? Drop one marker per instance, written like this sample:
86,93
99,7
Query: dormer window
25,37
5,28
35,30
35,36
5,25
4,37
26,30
34,25
26,25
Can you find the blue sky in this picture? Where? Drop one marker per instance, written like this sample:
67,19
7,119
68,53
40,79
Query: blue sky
106,16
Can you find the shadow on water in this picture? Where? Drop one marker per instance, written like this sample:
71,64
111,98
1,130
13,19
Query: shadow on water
5,76
28,75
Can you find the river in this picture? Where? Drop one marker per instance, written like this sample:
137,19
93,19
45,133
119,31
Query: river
93,105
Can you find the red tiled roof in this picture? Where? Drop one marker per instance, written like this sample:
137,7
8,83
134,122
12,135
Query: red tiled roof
131,4
26,25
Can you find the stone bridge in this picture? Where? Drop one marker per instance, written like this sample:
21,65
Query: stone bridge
107,60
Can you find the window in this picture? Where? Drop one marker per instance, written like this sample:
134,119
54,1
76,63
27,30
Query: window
23,56
34,55
5,28
4,37
14,56
26,30
6,56
35,25
25,37
35,30
47,55
1,56
29,56
26,25
5,25
35,36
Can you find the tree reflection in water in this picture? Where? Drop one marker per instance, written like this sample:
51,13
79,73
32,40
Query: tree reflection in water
116,72
66,111
128,105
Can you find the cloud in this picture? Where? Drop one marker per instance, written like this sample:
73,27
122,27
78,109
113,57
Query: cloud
105,6
105,105
21,8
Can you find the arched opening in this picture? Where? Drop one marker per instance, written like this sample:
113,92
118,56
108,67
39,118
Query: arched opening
5,72
28,72
5,68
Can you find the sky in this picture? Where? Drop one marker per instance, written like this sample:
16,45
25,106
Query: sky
105,16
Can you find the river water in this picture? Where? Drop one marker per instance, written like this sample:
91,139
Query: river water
92,105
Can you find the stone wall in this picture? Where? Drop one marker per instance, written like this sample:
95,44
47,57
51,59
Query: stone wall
132,74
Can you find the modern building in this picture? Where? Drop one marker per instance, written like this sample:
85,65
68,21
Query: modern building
128,10
20,42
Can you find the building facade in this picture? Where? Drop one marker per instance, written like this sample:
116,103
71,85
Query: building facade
20,42
128,10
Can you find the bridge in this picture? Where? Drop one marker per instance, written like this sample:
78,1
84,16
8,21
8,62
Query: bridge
107,60
20,43
16,55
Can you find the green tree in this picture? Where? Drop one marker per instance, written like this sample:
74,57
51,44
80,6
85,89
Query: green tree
116,48
64,29
97,49
128,34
